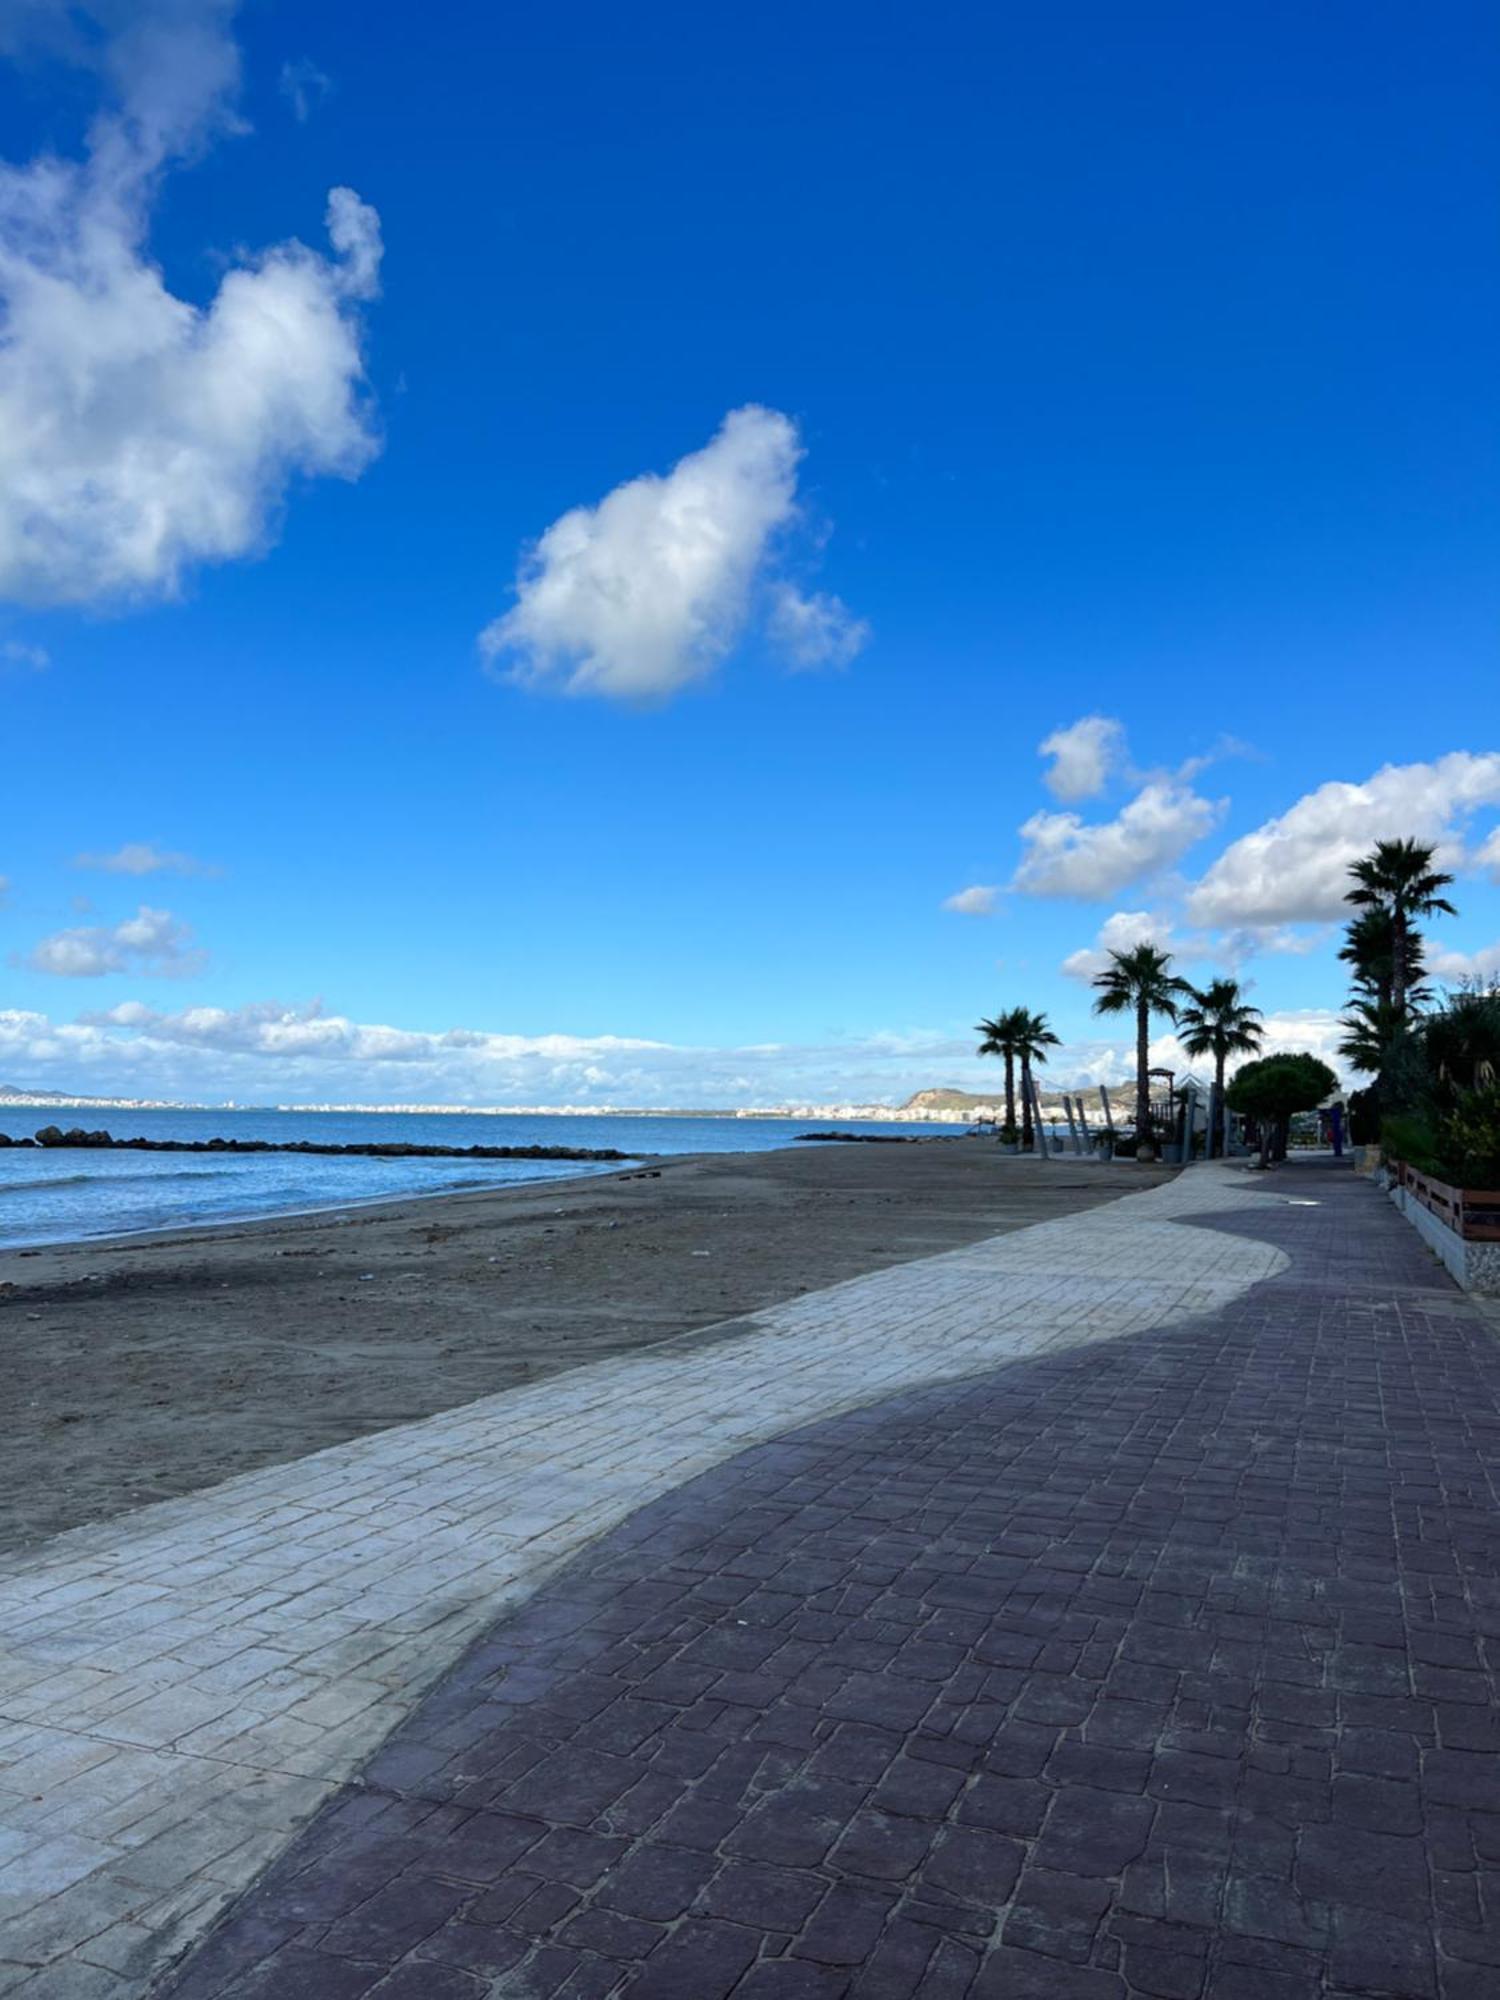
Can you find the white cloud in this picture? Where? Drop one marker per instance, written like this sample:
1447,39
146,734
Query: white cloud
647,591
1229,949
1084,756
1295,868
1455,967
1065,856
17,657
304,86
152,941
268,1052
141,433
1122,931
978,900
143,857
816,631
1487,855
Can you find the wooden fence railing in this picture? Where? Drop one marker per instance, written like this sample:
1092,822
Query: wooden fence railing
1472,1213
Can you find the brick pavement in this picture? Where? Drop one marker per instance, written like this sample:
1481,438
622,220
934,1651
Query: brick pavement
181,1687
1163,1668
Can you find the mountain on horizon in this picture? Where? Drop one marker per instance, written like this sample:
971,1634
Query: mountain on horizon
10,1092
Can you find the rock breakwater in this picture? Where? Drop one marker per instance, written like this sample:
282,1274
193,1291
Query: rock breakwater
53,1136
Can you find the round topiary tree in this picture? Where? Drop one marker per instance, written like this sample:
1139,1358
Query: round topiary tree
1273,1090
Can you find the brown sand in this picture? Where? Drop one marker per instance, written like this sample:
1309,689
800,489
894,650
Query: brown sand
151,1366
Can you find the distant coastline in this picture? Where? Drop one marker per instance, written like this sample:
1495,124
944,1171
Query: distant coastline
940,1106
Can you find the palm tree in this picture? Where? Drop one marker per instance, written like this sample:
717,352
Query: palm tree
1141,981
1033,1039
1000,1040
1218,1023
1399,881
1372,1030
1369,948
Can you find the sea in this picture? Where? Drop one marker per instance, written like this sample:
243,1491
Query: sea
66,1196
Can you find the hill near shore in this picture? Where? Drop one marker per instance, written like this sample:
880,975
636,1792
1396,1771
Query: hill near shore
966,1102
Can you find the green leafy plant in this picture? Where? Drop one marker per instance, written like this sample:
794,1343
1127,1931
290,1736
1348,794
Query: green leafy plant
1414,1140
1469,1140
1272,1091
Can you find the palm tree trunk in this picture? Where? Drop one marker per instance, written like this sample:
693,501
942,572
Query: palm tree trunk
1026,1132
1144,1150
1216,1140
1010,1090
1398,961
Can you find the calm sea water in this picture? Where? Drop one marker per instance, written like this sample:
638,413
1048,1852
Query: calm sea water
60,1197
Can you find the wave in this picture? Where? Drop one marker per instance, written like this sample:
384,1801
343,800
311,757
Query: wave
107,1180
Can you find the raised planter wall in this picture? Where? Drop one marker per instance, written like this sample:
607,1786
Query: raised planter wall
1461,1225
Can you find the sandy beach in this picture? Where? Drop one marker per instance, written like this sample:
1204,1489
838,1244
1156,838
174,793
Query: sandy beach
145,1368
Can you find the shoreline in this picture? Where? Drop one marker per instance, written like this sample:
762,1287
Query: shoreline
124,1239
150,1365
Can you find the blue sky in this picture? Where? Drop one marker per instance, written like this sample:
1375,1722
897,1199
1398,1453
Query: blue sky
1134,366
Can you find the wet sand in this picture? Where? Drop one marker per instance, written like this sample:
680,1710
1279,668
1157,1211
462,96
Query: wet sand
152,1366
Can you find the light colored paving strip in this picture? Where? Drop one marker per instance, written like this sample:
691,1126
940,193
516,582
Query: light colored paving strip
180,1687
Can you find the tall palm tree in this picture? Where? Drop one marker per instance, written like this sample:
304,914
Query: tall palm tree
1372,1031
1033,1039
1399,881
1141,982
1218,1023
1000,1040
1369,948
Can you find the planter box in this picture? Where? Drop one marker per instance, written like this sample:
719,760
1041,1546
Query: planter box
1461,1225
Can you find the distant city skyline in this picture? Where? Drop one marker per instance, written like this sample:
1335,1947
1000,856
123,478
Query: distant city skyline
720,559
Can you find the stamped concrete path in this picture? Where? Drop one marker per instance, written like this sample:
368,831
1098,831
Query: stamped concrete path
182,1686
1156,1666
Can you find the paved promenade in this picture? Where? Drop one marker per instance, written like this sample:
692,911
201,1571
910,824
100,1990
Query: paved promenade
1148,1659
181,1687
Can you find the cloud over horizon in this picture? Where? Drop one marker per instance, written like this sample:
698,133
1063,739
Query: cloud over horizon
1295,868
1067,856
647,591
270,1052
142,434
152,941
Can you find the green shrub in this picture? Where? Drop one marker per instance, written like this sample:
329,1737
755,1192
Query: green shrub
1469,1140
1414,1141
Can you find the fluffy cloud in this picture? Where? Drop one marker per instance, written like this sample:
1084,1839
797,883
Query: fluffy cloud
1084,757
1065,856
1458,967
647,591
152,941
1121,932
142,857
270,1029
141,433
816,631
1487,855
978,900
273,1053
1295,868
